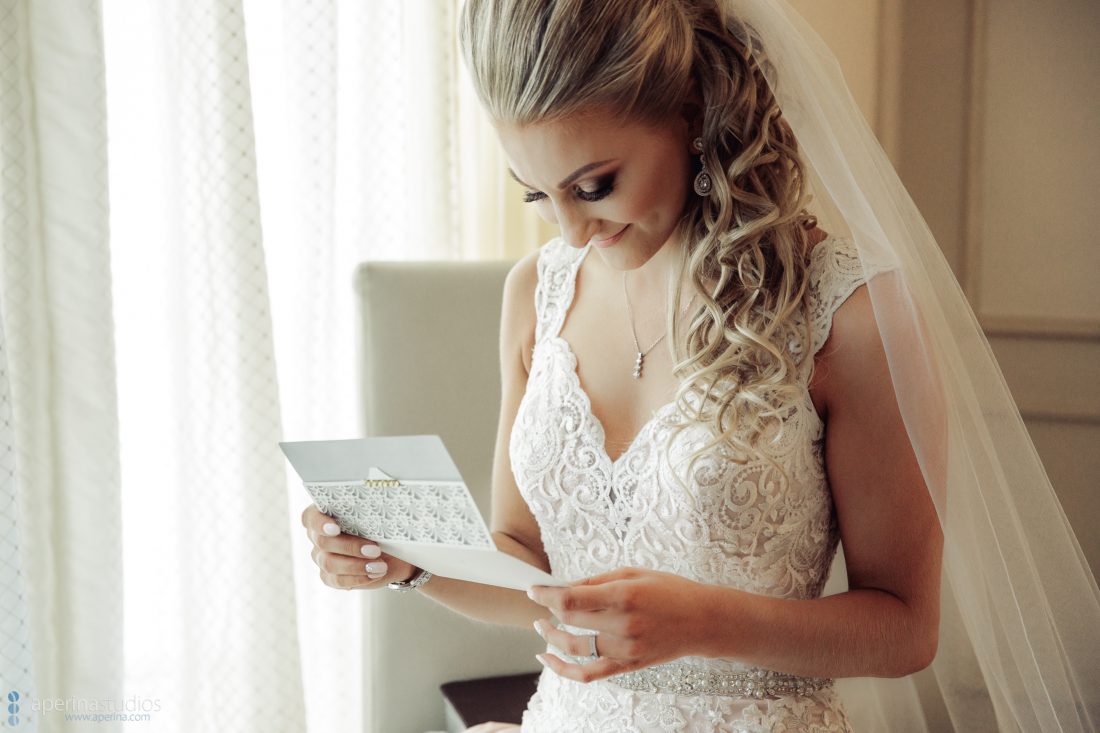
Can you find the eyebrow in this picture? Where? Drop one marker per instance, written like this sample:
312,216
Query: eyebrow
570,178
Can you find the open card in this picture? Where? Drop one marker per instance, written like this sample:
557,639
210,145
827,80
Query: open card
405,493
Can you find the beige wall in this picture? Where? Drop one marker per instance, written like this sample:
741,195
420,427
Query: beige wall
1040,163
851,29
999,144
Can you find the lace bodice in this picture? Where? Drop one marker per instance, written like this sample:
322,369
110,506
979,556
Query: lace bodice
740,526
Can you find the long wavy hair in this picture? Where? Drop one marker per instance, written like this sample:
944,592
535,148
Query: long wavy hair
539,61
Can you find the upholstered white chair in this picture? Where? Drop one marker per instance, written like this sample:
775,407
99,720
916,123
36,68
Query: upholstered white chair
429,358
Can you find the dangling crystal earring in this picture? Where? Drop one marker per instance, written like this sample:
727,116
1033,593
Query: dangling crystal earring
703,183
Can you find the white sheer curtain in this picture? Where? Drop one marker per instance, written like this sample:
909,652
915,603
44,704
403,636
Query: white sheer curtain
187,187
210,599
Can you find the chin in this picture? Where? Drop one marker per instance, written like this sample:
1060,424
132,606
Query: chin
622,260
635,252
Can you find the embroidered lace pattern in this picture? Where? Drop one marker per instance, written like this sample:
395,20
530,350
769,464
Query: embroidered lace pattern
741,526
442,512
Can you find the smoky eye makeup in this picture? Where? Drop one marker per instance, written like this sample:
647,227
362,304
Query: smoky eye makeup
606,186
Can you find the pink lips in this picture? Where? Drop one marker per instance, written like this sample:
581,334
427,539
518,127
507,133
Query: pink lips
612,240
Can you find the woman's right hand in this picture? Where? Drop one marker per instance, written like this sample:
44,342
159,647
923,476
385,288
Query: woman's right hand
347,561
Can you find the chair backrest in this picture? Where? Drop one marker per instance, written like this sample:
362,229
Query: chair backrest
428,350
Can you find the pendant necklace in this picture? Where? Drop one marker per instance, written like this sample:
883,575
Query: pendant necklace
639,360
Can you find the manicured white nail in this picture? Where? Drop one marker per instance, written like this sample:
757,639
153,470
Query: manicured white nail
376,567
538,627
531,593
371,550
542,660
331,529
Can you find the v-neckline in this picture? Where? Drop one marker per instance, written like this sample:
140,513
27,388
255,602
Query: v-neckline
575,378
601,432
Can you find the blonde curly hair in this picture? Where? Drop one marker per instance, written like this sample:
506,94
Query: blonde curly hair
539,61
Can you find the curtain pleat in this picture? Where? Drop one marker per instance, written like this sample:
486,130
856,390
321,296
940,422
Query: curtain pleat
17,665
57,311
298,116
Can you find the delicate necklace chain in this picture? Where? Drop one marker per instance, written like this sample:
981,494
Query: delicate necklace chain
639,359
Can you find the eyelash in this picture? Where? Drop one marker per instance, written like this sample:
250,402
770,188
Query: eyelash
590,196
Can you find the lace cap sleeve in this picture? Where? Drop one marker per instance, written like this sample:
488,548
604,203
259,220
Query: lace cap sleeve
557,264
834,274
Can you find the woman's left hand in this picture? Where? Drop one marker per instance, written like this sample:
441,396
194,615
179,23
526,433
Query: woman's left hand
644,617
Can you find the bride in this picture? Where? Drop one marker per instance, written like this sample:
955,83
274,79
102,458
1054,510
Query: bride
704,392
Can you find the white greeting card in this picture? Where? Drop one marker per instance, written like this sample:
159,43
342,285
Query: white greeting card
405,493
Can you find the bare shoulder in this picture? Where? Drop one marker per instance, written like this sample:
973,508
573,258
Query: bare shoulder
518,309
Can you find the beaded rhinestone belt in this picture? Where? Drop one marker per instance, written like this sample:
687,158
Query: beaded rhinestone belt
685,679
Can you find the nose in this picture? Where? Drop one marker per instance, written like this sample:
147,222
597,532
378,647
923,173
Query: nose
576,228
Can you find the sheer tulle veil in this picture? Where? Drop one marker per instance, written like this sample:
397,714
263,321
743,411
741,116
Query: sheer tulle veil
1020,611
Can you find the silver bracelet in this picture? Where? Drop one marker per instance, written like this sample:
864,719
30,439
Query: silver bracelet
417,580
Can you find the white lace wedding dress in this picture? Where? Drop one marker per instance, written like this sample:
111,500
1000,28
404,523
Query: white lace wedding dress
596,515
